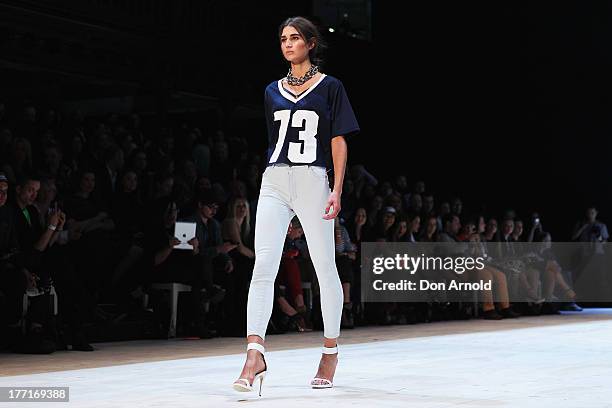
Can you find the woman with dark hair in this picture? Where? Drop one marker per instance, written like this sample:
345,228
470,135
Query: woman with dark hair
358,228
430,232
308,116
400,231
406,229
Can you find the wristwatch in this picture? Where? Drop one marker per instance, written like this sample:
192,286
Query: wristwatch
52,227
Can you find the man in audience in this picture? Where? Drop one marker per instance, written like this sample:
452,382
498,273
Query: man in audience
214,251
171,264
452,226
31,235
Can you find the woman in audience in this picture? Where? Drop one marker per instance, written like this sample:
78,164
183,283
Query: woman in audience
430,232
489,274
358,227
491,233
553,281
290,275
414,225
400,231
237,227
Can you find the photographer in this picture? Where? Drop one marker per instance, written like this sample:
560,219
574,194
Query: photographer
590,229
34,235
592,280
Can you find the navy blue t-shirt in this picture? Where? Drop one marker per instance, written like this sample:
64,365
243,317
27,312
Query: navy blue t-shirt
300,128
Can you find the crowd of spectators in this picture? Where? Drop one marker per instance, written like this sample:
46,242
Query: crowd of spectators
87,215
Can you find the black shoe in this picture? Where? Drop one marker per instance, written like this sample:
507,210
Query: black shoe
491,315
508,313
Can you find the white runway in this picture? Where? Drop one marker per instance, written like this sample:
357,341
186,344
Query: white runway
567,365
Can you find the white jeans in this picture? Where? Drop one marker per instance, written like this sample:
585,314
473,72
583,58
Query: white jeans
287,191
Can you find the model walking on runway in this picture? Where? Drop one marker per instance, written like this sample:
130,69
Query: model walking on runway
308,116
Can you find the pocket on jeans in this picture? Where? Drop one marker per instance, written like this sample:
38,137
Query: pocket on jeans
320,172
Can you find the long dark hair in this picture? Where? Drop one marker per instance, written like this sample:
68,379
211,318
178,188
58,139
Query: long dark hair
310,33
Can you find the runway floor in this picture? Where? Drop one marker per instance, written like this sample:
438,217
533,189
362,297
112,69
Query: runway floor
544,361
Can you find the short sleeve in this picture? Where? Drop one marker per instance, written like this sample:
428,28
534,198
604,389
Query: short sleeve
267,111
344,123
604,232
269,121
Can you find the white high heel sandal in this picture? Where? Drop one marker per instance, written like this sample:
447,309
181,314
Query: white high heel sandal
246,386
318,382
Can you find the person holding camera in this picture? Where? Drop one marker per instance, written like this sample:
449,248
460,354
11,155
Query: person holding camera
592,278
590,229
171,264
217,264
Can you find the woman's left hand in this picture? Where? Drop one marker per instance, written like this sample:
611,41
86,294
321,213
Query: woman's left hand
332,201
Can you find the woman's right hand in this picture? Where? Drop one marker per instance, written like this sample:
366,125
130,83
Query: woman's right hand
54,218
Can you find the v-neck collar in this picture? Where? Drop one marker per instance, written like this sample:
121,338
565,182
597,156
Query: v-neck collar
289,96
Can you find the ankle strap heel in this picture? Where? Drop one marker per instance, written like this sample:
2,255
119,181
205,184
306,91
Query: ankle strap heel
243,384
318,382
329,350
256,346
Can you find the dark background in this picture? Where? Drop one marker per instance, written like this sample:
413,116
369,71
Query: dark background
505,104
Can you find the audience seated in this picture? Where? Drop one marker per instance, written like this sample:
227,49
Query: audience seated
88,207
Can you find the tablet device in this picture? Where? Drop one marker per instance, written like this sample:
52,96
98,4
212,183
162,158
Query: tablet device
184,231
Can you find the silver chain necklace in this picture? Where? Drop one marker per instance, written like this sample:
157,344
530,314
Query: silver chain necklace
294,81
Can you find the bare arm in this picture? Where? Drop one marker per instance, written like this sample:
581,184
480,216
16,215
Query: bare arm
339,155
232,232
164,253
47,236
